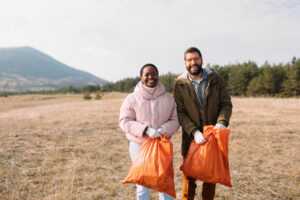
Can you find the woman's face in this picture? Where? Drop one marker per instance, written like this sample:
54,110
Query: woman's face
149,77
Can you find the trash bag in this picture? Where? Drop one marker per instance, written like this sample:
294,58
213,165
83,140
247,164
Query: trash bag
152,167
209,161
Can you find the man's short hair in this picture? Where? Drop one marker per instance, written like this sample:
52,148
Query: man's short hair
192,50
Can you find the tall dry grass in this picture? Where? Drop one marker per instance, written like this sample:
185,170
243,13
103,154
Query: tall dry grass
63,147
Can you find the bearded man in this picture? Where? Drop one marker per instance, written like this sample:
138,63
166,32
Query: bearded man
202,98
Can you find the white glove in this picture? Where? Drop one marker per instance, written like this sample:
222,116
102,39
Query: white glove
199,139
151,132
161,131
219,126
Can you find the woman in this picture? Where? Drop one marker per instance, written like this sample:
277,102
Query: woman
148,112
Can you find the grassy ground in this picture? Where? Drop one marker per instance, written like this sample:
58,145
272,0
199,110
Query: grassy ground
63,147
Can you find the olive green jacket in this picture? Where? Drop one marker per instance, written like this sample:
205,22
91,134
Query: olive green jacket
217,106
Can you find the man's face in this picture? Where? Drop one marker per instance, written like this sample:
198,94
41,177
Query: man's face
193,63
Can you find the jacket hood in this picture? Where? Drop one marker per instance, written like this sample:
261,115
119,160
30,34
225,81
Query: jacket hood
141,90
185,75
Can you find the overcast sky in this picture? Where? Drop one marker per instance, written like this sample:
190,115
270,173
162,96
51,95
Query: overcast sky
112,39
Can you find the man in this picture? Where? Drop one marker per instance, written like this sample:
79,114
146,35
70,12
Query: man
202,99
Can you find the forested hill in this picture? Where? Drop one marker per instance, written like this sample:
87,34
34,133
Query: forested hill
245,79
27,68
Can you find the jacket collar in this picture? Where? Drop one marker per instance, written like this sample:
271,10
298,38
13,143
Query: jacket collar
211,75
141,90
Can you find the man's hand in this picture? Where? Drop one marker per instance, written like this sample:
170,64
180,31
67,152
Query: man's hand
199,139
151,132
219,126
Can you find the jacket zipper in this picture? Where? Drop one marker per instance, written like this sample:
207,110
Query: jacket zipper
205,100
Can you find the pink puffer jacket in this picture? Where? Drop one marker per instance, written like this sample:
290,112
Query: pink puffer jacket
141,109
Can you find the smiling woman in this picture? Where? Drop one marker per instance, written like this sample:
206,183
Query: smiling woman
148,112
149,75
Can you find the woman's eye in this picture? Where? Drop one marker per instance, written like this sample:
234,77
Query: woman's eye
149,75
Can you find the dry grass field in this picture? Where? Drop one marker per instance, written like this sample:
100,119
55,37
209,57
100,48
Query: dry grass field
63,147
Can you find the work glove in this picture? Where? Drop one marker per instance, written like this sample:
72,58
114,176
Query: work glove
161,131
151,132
199,139
219,126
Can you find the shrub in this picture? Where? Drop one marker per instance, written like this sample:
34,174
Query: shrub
87,96
98,95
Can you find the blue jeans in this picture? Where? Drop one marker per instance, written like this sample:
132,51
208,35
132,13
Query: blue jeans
142,193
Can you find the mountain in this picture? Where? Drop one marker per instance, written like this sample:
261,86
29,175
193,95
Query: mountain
25,68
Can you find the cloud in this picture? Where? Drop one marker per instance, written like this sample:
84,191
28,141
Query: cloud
100,35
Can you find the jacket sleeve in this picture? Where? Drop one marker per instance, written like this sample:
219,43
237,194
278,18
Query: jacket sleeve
127,120
172,125
185,121
225,104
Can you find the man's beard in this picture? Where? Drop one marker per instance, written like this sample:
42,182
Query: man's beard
197,72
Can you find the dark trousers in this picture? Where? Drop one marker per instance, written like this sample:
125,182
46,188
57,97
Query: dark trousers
189,188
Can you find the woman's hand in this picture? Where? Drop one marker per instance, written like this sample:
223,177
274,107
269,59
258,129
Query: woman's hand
151,132
161,131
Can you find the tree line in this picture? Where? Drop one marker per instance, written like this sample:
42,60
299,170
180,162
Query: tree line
246,79
65,90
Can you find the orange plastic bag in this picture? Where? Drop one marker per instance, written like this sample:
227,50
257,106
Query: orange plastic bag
152,167
209,161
